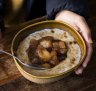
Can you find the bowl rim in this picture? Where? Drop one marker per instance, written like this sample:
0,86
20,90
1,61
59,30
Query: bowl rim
55,75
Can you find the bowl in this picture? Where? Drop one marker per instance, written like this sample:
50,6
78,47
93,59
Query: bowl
36,75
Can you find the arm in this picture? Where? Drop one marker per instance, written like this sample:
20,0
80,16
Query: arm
74,13
76,6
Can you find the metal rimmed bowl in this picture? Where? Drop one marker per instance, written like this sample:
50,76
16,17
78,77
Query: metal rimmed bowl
32,74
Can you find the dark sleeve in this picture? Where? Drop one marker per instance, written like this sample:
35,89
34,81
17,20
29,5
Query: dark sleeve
55,6
1,14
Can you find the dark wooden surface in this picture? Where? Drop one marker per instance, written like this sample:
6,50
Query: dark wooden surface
85,82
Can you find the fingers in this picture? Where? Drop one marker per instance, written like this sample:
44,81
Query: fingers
87,36
85,30
88,56
79,70
86,61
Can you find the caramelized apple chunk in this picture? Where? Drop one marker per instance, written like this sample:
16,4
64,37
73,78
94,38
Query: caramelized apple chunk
43,54
46,43
47,51
62,44
54,60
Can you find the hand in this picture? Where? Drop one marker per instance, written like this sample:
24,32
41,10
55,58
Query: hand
79,23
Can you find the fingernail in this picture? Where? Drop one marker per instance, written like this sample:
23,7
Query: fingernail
84,65
79,71
89,39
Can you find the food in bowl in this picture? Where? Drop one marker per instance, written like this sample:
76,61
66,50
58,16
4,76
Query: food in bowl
47,51
48,48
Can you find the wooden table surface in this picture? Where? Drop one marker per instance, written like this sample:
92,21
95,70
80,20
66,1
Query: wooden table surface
8,70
